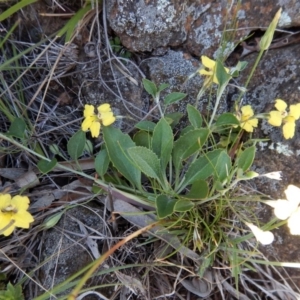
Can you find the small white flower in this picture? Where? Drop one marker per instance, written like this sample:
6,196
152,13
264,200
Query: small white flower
264,237
273,175
294,222
283,209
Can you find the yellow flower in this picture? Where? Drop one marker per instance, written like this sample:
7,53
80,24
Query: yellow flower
13,213
247,122
211,66
281,116
93,122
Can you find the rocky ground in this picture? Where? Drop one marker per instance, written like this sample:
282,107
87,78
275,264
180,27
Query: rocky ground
166,39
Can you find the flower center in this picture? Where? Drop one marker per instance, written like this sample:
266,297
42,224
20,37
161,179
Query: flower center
284,114
9,209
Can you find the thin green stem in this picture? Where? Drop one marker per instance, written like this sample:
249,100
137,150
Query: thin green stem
251,75
219,95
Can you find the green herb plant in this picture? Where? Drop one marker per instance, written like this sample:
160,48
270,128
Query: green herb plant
186,173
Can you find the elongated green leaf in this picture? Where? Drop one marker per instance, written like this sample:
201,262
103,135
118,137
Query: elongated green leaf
194,116
163,86
164,206
227,119
7,13
245,159
145,125
173,118
198,191
146,161
174,97
17,128
162,142
143,138
102,162
150,87
183,205
71,25
76,144
188,144
221,74
202,168
117,144
46,166
222,167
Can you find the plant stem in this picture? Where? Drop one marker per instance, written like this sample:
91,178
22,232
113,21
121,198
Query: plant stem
251,75
219,95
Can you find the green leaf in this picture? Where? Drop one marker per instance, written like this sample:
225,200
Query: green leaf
246,158
150,87
162,142
142,138
174,97
12,293
186,130
222,167
102,162
162,87
146,161
227,119
14,8
117,143
76,144
221,74
188,144
46,166
241,65
164,206
52,220
194,116
71,25
199,190
145,125
202,168
17,128
173,118
183,205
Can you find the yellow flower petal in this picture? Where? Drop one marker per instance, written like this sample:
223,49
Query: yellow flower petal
248,126
108,119
9,230
88,110
207,62
275,118
23,219
103,108
206,73
95,129
4,201
20,202
280,105
288,130
295,111
87,122
247,112
5,219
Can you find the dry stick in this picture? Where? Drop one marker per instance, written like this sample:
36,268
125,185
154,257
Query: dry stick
102,258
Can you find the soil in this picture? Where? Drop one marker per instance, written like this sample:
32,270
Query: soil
34,26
